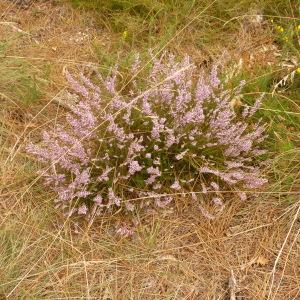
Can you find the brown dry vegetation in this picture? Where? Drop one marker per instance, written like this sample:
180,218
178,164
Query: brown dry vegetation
250,252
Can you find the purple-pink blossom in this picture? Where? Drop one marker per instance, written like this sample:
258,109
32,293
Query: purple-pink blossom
178,122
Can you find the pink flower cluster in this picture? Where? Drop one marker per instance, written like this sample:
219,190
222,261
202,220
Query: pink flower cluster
138,148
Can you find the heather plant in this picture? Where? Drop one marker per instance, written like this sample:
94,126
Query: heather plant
175,132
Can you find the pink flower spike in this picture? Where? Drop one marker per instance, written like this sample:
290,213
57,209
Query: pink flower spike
175,186
82,210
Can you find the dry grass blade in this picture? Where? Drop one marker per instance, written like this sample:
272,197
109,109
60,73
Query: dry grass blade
272,276
232,286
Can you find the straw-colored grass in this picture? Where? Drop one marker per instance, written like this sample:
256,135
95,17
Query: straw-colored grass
251,251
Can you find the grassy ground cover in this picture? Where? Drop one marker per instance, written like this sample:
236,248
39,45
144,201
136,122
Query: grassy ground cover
251,251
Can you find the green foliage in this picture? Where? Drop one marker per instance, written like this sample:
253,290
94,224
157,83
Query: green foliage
142,24
279,110
286,172
145,23
20,80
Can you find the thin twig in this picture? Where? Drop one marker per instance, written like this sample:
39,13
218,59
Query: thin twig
280,253
232,286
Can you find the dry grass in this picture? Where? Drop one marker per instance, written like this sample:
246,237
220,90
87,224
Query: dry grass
175,253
